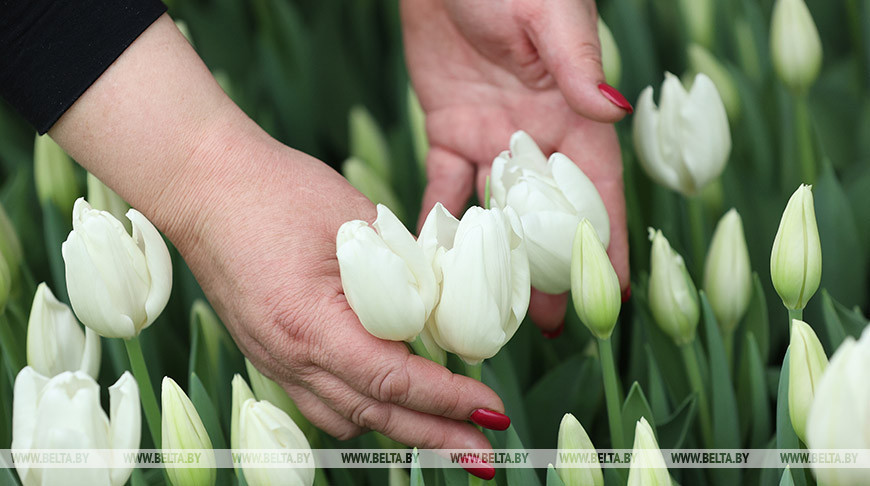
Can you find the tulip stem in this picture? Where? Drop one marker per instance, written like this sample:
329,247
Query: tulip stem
696,229
794,314
474,370
420,350
146,390
693,370
611,393
804,138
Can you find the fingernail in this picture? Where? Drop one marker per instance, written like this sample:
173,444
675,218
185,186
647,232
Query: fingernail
481,469
626,294
615,97
555,332
490,420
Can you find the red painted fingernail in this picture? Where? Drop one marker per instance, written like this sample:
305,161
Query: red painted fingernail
479,468
626,294
490,420
615,97
555,332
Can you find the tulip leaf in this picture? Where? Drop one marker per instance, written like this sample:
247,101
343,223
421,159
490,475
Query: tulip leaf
500,374
674,429
416,472
519,475
785,435
635,407
208,414
137,478
657,393
840,321
758,397
454,476
787,479
553,478
757,320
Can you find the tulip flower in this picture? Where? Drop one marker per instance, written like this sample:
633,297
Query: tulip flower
265,426
611,61
118,284
266,389
796,258
594,285
683,143
367,141
387,280
807,362
182,429
550,197
727,272
795,47
840,414
484,273
102,197
241,393
573,437
64,412
673,298
703,61
647,467
53,174
417,122
55,341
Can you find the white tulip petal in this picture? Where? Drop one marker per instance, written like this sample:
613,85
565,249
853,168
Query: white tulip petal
126,421
526,153
158,262
498,191
436,236
54,339
706,135
264,426
520,274
582,194
69,409
549,237
92,354
28,386
647,143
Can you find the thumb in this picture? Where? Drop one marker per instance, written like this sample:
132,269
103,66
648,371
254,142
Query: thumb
565,33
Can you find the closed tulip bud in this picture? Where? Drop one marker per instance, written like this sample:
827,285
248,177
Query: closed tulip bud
795,46
182,429
550,197
64,412
10,245
241,393
647,466
698,17
387,280
101,197
807,362
417,120
796,259
5,284
266,389
213,333
594,285
54,175
611,61
265,426
368,143
727,272
55,341
118,284
840,414
484,273
673,298
683,143
703,61
573,437
367,181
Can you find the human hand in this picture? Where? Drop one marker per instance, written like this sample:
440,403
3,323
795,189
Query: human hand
483,70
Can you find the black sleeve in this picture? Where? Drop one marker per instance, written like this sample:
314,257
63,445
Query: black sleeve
51,51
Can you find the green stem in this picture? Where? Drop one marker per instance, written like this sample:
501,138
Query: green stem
804,138
794,314
611,393
420,350
690,359
696,229
728,343
474,370
146,391
11,348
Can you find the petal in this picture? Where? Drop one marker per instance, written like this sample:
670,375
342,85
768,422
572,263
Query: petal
158,262
706,137
437,235
520,273
92,354
549,237
25,399
648,144
497,188
526,153
55,341
582,194
69,411
126,422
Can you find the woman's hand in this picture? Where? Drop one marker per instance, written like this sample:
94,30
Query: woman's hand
486,68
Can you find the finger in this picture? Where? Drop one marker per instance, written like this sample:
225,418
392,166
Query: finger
548,311
565,32
450,182
321,415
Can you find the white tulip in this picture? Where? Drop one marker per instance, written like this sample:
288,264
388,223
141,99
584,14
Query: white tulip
683,143
806,365
840,414
265,426
647,466
482,266
727,272
64,412
796,257
118,284
55,341
386,278
181,428
673,299
573,437
102,197
594,285
550,197
795,46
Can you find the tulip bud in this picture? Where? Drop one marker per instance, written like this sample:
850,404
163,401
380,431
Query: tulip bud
807,362
118,284
795,47
796,259
839,417
647,466
484,272
367,181
55,341
101,197
417,120
703,61
5,284
673,298
387,279
367,142
698,16
241,393
573,437
685,142
64,412
182,429
265,426
550,197
594,285
266,389
54,175
727,273
611,61
10,245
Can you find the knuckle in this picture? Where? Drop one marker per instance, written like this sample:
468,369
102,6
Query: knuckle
371,415
391,385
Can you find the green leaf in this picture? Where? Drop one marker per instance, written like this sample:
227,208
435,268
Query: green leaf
208,414
760,418
757,320
519,475
841,321
137,478
658,394
500,372
785,436
416,472
553,478
635,407
674,429
787,479
454,476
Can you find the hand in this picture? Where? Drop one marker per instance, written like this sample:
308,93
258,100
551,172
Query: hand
484,69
